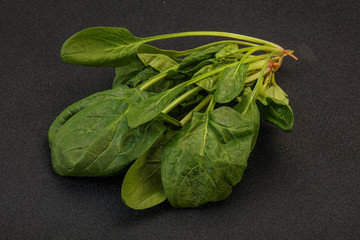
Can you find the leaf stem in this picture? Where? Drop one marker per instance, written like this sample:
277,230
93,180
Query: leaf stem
156,78
211,105
200,106
180,99
211,33
169,119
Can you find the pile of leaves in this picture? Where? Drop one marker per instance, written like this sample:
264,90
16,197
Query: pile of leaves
182,123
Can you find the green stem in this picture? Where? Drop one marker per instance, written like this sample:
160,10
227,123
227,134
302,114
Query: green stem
169,119
180,99
261,75
190,51
211,105
156,78
200,106
211,33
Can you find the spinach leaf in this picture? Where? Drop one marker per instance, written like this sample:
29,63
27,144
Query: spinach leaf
101,47
197,57
142,76
227,51
248,108
276,112
206,158
127,71
231,83
142,186
157,61
96,141
209,83
149,108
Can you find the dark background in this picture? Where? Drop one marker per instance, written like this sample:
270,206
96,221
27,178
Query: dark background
300,185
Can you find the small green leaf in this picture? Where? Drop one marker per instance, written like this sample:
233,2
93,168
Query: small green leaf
101,47
148,109
197,57
277,112
231,83
127,71
227,51
142,76
157,61
206,158
142,186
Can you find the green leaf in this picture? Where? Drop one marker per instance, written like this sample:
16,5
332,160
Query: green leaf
127,71
227,51
248,108
209,83
158,61
197,57
142,186
149,108
96,140
274,91
142,76
101,47
206,158
231,83
193,69
277,112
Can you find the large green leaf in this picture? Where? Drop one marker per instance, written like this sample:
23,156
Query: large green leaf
96,140
101,47
206,158
231,83
142,186
149,108
197,57
276,112
248,108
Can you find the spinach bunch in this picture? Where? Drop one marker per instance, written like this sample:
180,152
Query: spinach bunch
184,121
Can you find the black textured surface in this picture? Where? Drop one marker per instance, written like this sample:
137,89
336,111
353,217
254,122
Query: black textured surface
303,185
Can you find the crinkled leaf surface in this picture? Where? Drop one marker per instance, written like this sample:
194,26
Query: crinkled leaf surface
96,141
276,112
142,186
231,83
101,47
149,108
248,108
206,158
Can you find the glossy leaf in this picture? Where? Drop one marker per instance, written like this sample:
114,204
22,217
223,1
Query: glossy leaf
197,57
206,158
277,112
142,186
231,83
248,108
96,141
227,51
149,108
157,61
101,47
